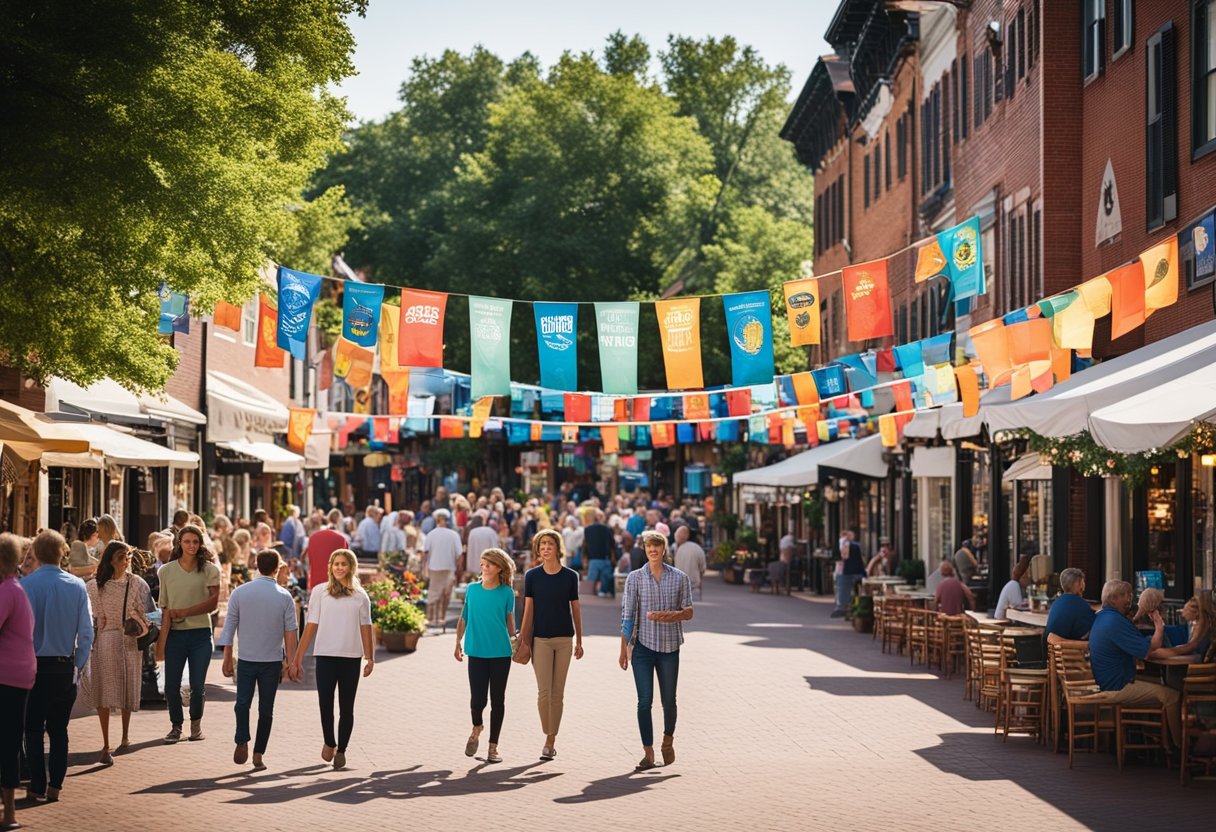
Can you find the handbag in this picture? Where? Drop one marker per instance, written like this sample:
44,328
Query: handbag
135,628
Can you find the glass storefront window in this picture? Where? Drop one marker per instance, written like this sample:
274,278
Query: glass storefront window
183,489
1033,519
1205,546
938,543
1162,543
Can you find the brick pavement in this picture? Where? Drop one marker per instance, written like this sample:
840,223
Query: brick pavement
789,720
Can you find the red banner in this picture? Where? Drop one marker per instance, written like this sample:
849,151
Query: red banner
867,301
739,402
267,353
577,407
420,336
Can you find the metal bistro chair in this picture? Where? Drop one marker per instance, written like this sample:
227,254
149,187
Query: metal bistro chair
1198,717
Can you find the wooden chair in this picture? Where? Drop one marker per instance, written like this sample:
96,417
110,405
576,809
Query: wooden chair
918,635
1061,658
1024,703
1148,723
971,658
991,662
880,611
956,647
894,625
1198,717
935,640
1090,710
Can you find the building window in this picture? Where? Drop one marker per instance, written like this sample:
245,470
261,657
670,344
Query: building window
1094,31
1036,23
1122,28
877,169
915,319
962,98
990,80
1010,54
1021,26
840,229
1036,250
886,159
249,322
954,100
1161,169
865,190
1203,95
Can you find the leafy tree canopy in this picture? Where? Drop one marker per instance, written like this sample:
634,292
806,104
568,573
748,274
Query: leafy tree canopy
157,141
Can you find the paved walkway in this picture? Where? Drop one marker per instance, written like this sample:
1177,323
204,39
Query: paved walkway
788,720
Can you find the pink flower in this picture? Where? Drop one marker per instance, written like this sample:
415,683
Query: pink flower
394,595
383,602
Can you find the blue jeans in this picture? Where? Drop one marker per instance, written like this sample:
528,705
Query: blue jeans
645,663
182,646
265,675
600,569
844,590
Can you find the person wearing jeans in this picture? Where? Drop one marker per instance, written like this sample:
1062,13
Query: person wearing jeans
551,631
63,639
340,619
851,568
658,598
484,632
263,615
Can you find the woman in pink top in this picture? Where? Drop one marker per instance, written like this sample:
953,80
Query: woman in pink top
17,669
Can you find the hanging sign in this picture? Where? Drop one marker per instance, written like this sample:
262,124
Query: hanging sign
420,335
617,328
490,339
298,291
361,304
680,332
802,310
867,301
964,259
557,344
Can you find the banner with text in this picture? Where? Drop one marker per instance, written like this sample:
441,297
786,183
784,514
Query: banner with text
617,328
490,339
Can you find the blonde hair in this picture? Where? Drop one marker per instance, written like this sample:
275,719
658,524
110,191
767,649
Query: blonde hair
1150,602
652,536
551,534
336,588
106,527
506,566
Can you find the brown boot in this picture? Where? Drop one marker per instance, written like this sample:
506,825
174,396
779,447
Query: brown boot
669,751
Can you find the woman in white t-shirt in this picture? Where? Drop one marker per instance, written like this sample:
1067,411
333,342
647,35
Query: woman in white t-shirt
340,619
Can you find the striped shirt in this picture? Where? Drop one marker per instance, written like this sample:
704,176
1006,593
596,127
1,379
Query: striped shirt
643,594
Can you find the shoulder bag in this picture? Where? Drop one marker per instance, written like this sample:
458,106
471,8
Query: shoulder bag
134,627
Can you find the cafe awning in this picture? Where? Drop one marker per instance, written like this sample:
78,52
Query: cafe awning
119,448
111,401
798,471
1027,467
933,462
274,459
239,412
1064,410
1159,417
863,457
29,437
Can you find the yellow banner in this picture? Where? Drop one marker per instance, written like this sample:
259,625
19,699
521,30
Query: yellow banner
802,310
888,430
299,428
483,407
680,331
390,321
1160,275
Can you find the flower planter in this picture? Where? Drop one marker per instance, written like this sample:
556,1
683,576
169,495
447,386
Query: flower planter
863,624
401,642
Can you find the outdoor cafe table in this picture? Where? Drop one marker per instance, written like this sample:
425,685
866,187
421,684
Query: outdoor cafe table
1034,619
1169,670
882,583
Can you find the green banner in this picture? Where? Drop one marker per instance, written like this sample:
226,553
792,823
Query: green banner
617,327
490,337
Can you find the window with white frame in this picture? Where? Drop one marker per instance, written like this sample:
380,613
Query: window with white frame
1123,25
1094,33
249,322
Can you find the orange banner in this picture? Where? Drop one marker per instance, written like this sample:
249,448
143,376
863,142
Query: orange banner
1020,386
888,430
867,301
680,331
1126,299
787,432
353,363
390,320
1061,363
420,334
299,427
380,429
968,389
992,347
1160,275
802,311
611,440
930,262
804,388
620,410
398,382
1029,341
451,429
662,435
536,432
267,353
227,315
696,406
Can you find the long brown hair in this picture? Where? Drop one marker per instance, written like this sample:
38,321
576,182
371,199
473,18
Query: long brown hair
105,564
506,566
177,545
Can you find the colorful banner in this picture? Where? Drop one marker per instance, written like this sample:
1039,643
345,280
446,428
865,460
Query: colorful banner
908,359
930,262
964,258
1160,275
299,427
361,304
490,339
749,328
557,344
325,369
267,353
696,406
888,430
482,408
611,439
577,408
861,370
641,409
739,402
939,383
830,381
662,435
680,332
802,310
1029,341
353,363
398,382
1126,298
992,348
1096,294
804,388
174,311
420,335
451,429
1203,239
298,292
1072,322
968,389
617,328
867,301
936,350
569,434
395,376
227,315
363,398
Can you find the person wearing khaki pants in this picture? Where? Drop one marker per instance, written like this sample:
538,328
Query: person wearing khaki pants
551,631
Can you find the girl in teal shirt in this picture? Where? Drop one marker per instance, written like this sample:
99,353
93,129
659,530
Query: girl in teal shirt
487,628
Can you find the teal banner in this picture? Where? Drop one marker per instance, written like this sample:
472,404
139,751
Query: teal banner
617,327
557,344
964,259
298,291
490,339
749,327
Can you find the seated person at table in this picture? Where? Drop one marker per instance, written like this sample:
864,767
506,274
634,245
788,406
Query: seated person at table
1200,615
1114,646
966,564
953,596
1071,617
1149,603
1011,595
935,578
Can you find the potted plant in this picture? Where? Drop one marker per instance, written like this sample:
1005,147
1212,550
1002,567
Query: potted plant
863,613
911,570
401,624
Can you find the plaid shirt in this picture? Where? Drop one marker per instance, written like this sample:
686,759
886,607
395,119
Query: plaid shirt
643,595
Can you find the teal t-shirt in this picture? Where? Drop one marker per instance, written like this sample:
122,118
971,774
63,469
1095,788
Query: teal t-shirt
485,621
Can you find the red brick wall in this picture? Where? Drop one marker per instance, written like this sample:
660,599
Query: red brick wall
186,383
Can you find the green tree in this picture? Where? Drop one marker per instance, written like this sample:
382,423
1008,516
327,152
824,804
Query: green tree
149,142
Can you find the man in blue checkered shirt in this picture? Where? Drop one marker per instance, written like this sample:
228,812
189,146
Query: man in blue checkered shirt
658,597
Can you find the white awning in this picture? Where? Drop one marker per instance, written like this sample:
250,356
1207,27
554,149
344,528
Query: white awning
954,425
110,399
1064,410
797,471
1158,417
120,448
933,462
275,460
924,424
86,460
239,412
1027,467
863,457
316,452
30,437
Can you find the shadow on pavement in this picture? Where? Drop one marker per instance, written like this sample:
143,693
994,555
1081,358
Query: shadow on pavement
620,785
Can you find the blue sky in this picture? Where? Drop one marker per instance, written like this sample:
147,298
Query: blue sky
396,31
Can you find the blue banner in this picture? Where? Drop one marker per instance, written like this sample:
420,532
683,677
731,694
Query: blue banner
298,291
518,433
174,311
936,350
1017,316
1203,238
728,431
786,397
551,433
830,381
686,433
361,312
749,328
862,370
964,259
908,358
557,344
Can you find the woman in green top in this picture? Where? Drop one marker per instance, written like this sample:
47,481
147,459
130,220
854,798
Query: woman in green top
487,627
189,593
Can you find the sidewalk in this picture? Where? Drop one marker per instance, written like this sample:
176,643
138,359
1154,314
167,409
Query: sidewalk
788,720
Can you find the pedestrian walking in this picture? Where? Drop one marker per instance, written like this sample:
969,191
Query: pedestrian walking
189,593
851,568
690,559
551,630
113,679
18,669
63,638
487,628
262,615
441,566
658,598
340,621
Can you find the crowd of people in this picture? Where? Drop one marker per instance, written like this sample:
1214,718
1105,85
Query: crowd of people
82,609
